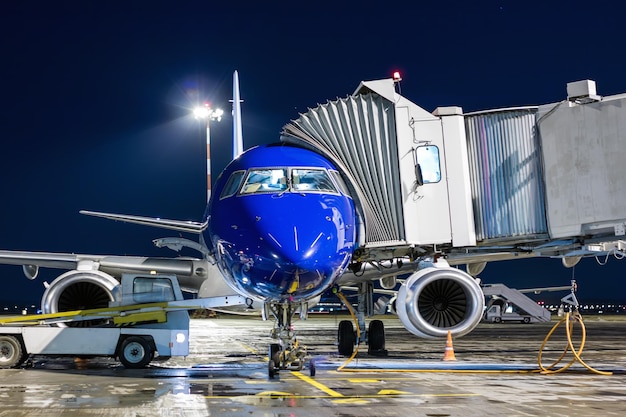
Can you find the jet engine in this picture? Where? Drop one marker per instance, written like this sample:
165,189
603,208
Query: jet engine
434,300
79,290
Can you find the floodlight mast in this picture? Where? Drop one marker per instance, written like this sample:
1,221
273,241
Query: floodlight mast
205,112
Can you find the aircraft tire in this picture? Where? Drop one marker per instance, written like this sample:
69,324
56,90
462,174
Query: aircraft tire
376,337
11,352
271,369
273,365
135,352
346,338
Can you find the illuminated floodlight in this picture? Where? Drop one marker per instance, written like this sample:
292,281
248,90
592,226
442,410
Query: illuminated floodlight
201,112
206,112
217,114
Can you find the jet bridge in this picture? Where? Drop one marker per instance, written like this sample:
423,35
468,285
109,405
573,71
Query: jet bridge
536,181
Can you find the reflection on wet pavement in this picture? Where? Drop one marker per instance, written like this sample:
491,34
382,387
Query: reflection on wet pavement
226,375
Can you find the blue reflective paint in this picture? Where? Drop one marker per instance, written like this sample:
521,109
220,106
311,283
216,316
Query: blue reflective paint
286,245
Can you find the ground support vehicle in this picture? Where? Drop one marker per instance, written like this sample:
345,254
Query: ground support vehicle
148,320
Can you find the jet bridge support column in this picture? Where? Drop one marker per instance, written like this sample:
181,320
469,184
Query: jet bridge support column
374,334
365,307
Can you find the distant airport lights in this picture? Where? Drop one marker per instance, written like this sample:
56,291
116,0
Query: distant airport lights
205,112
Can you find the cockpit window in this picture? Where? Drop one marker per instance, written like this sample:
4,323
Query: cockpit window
311,180
233,184
279,180
265,181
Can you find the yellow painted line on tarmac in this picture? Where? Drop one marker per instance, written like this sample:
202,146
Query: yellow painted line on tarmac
249,348
339,398
339,376
316,384
393,392
335,396
350,401
346,399
363,380
280,394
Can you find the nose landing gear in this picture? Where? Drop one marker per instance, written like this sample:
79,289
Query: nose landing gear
287,353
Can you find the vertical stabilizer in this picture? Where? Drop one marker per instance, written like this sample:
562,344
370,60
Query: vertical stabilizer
237,131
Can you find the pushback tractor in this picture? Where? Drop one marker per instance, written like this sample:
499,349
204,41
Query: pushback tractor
148,321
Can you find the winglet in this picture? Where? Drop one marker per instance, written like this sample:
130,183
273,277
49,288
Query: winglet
237,131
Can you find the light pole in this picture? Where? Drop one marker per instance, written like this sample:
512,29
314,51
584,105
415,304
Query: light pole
207,113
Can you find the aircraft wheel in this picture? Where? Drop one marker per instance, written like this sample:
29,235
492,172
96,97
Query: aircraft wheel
346,338
274,353
271,369
135,352
273,365
11,353
376,338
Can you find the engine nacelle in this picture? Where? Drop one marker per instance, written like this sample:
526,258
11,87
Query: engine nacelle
79,290
435,300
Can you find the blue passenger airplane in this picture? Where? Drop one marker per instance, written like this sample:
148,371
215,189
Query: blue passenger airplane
286,222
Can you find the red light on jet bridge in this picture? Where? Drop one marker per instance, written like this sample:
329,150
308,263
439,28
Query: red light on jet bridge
396,76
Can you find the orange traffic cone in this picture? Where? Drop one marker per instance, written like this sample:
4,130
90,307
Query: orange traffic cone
449,354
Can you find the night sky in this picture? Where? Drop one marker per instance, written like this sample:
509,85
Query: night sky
97,98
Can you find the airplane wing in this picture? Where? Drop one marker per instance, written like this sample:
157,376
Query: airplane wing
43,259
115,265
178,225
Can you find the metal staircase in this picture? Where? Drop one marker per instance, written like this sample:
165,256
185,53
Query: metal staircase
513,296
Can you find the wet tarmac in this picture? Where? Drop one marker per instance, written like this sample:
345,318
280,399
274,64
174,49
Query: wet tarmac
495,374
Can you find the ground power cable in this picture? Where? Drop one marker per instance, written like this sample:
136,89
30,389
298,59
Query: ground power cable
358,330
569,320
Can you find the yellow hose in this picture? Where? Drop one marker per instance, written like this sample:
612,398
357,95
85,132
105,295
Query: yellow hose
358,330
569,325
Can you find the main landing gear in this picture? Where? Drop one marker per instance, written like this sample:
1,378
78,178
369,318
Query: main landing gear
374,335
287,353
347,338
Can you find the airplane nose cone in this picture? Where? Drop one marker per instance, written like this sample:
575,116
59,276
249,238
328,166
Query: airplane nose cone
302,243
296,254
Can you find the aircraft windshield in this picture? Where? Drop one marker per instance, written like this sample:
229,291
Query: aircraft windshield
265,181
311,180
276,180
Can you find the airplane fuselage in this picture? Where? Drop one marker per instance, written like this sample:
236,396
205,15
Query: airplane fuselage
281,223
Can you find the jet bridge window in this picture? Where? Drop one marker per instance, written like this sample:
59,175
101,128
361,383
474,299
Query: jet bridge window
427,166
311,180
265,180
152,290
233,184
